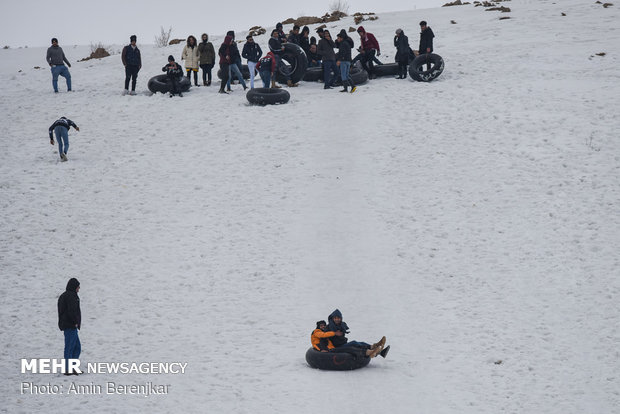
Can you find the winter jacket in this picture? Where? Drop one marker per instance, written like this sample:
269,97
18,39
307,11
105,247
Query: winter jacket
294,38
206,52
252,52
225,51
63,122
173,69
368,40
131,56
402,48
344,51
304,43
343,327
426,40
325,48
269,60
319,340
313,56
191,56
55,56
282,36
69,314
275,45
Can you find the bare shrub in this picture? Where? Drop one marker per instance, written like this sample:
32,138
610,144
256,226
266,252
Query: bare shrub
341,6
164,36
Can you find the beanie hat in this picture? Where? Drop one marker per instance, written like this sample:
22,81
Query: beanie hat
248,37
170,58
54,40
399,31
278,25
231,33
133,38
422,23
319,323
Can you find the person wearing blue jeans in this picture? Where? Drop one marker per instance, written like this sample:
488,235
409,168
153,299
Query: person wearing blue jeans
343,60
69,321
266,68
56,59
235,66
61,128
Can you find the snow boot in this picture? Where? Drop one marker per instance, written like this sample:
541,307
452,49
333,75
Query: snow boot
373,352
385,351
378,344
273,84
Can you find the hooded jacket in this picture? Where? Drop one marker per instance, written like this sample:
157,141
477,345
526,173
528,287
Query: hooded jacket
69,314
401,42
368,40
190,55
225,51
269,59
343,327
206,51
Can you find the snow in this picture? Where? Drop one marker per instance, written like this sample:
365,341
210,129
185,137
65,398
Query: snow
472,220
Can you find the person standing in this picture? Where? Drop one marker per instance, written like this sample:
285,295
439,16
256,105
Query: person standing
69,321
192,58
207,59
56,59
401,42
252,52
343,61
370,49
132,60
225,61
326,50
426,39
61,128
235,65
304,39
294,36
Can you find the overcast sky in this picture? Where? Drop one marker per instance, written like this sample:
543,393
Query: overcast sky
34,22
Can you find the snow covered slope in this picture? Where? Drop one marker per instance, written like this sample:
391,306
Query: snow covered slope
472,220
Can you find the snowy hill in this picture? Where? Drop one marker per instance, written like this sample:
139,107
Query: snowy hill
472,220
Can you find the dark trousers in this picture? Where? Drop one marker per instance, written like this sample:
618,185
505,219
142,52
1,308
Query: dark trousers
131,72
367,59
174,80
224,70
189,71
206,72
329,66
402,69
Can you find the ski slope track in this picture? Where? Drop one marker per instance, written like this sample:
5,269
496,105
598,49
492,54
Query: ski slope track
473,220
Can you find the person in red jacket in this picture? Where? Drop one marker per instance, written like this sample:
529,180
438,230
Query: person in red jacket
266,67
369,48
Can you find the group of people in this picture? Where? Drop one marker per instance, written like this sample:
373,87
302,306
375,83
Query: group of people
331,337
335,64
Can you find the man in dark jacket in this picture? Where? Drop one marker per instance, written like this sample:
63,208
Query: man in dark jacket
343,60
252,52
70,320
275,45
294,36
56,59
174,72
328,56
336,324
133,63
426,40
304,39
224,53
401,42
234,69
61,128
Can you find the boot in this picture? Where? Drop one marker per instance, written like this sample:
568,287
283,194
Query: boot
373,352
204,83
290,83
346,87
378,344
222,91
273,84
385,351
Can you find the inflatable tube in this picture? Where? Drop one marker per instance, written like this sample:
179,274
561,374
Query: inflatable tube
161,83
267,96
245,71
335,361
294,62
416,68
387,69
313,74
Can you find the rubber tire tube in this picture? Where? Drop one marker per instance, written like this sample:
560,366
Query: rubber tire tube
267,96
